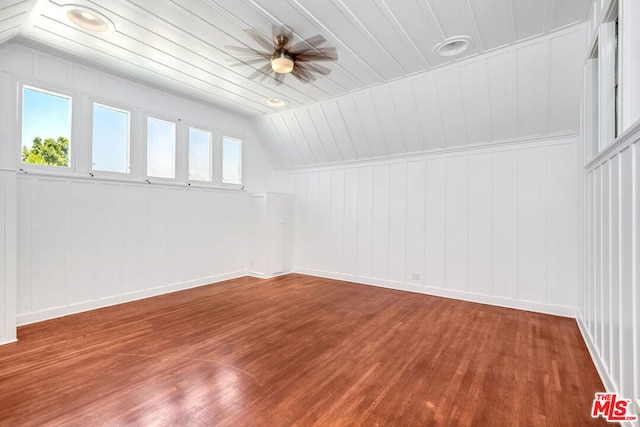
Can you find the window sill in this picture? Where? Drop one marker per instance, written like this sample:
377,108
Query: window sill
125,180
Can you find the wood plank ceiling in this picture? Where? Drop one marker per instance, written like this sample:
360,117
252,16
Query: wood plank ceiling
180,44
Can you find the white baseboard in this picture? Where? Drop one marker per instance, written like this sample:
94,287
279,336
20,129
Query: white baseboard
259,275
8,341
556,310
52,313
608,383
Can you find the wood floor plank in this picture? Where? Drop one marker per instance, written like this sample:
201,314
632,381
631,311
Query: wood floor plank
299,350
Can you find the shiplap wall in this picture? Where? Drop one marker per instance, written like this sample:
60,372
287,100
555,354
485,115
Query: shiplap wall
532,89
610,295
497,225
85,242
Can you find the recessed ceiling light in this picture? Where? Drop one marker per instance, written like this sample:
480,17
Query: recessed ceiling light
276,102
88,19
453,46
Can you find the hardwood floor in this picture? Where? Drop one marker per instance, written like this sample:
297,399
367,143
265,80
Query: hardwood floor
299,350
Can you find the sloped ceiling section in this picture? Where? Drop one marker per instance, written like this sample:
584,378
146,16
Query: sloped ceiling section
180,45
525,91
12,15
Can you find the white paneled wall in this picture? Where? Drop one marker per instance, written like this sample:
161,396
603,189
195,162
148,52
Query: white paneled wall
496,225
610,296
86,244
8,280
532,89
609,303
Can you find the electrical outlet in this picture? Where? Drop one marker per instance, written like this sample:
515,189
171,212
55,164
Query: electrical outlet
415,276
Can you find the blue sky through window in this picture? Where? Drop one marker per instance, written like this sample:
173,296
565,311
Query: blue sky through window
161,148
45,115
110,139
200,155
231,161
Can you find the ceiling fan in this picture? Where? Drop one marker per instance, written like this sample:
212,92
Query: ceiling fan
282,58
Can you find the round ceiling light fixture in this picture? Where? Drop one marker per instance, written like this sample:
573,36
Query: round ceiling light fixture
453,46
282,63
276,102
88,19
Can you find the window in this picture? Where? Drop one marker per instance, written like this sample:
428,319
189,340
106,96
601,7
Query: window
110,139
603,84
46,127
200,155
161,148
231,160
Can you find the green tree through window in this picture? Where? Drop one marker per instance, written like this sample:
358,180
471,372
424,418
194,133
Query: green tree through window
48,152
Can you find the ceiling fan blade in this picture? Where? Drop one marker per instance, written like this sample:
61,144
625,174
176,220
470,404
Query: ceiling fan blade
257,37
302,73
295,73
278,80
314,42
317,68
320,54
261,72
237,63
248,51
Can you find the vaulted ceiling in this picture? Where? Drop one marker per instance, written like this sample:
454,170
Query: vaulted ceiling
180,44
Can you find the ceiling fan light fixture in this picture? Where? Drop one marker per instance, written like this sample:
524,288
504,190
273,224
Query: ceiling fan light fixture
88,19
282,63
453,46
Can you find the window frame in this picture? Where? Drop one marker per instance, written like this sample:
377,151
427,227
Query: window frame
130,143
592,83
608,102
145,162
54,90
240,171
212,156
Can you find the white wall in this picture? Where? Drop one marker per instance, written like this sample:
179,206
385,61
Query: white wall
8,279
85,242
609,313
609,304
497,225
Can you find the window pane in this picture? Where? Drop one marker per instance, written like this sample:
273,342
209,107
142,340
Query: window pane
110,139
161,148
231,161
199,155
46,127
